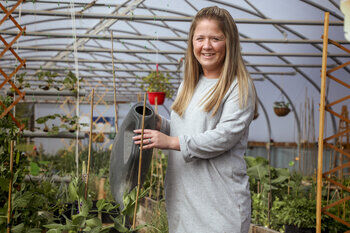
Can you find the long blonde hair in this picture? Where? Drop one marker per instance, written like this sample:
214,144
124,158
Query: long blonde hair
233,66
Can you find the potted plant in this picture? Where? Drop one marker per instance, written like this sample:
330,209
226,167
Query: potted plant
44,119
157,85
70,82
281,108
49,78
20,81
73,123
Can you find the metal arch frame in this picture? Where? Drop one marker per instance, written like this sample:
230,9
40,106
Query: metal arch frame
267,119
253,13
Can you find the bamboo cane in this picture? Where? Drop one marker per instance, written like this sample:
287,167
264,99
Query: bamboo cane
90,142
114,89
154,157
321,124
9,212
140,161
159,168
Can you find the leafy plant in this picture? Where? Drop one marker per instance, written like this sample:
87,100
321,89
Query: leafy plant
280,104
47,76
70,81
20,80
158,82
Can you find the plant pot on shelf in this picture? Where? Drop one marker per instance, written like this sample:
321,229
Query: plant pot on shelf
281,112
153,95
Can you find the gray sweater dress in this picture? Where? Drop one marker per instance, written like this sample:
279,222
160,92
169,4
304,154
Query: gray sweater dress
206,185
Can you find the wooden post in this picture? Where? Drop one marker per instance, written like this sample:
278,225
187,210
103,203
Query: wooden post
269,195
140,162
9,211
90,142
321,125
115,89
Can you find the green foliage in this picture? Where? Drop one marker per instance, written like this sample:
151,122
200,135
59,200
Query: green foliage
280,104
158,82
32,206
69,123
158,219
44,119
293,198
9,132
20,80
70,81
47,76
156,188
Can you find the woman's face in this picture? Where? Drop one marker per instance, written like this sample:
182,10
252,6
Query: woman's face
209,47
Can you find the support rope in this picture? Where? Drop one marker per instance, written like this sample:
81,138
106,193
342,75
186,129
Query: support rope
74,31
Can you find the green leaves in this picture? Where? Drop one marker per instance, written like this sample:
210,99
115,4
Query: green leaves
158,82
34,169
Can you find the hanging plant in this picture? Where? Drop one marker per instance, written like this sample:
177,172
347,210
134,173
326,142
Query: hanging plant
20,81
72,123
281,108
44,119
70,81
47,76
157,84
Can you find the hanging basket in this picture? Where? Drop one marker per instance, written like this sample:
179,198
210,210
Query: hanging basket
152,97
281,112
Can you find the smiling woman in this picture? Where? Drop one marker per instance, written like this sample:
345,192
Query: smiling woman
209,47
207,186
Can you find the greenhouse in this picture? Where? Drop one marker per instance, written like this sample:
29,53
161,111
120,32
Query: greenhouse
175,116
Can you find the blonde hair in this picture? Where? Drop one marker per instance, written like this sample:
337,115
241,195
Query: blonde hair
233,66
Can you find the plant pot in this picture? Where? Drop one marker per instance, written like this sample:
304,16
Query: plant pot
281,112
152,97
295,229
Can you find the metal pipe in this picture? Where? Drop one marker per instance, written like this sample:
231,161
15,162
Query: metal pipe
103,50
169,18
172,71
161,38
135,77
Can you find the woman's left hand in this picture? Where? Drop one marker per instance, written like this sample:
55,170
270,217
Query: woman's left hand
156,139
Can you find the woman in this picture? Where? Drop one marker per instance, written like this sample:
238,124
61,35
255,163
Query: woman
207,188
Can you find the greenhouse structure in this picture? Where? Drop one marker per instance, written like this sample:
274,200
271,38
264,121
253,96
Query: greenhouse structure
78,77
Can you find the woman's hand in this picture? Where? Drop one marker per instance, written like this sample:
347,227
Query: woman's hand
156,139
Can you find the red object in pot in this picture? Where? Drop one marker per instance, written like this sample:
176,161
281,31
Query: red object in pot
152,97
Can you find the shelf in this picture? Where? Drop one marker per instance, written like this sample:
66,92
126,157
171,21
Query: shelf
50,92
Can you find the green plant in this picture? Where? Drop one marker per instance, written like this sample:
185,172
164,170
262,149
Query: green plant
280,104
158,219
85,218
156,189
20,80
295,211
158,82
70,81
47,76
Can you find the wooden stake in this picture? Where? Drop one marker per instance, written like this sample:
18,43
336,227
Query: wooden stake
154,159
9,211
90,141
140,161
115,89
321,125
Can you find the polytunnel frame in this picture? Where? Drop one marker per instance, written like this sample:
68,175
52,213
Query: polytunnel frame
257,14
